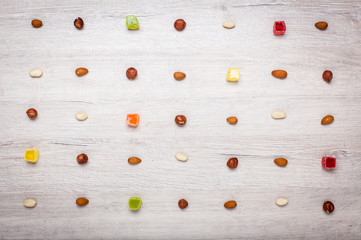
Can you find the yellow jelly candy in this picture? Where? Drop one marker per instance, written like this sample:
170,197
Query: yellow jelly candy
233,75
31,155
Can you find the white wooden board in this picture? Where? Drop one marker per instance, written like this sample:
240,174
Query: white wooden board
204,51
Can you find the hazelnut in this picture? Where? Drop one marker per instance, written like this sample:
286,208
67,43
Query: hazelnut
82,158
327,76
32,113
180,24
131,73
182,203
79,23
232,162
36,23
180,120
328,207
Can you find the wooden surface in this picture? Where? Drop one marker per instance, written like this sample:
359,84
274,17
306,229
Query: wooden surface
204,51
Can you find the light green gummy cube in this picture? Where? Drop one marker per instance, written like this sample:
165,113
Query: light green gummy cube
132,22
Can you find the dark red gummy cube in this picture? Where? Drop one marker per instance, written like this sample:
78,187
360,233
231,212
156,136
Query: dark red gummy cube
279,28
328,162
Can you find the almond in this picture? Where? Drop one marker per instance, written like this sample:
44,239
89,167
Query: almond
36,23
230,204
282,162
321,25
179,75
281,74
134,160
232,120
81,71
82,202
327,120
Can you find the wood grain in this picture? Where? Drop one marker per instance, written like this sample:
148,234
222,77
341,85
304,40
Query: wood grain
204,51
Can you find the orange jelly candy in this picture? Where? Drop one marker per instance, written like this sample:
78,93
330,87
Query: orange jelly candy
133,120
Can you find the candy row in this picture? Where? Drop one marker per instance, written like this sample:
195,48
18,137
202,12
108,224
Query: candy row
132,23
134,203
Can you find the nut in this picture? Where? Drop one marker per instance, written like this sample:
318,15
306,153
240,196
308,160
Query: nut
281,162
134,160
179,75
233,75
281,201
181,157
230,204
81,71
281,74
232,162
321,25
81,116
180,24
328,207
37,23
79,23
30,203
82,158
229,24
182,203
180,120
36,73
327,119
82,202
327,75
32,113
232,120
278,115
131,73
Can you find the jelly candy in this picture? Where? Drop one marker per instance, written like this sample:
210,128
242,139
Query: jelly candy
132,22
328,162
133,120
31,155
233,75
279,28
134,203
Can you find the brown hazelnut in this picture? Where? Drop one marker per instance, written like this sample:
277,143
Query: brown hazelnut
232,162
182,203
131,73
327,76
180,120
180,24
328,207
82,158
36,23
32,113
79,23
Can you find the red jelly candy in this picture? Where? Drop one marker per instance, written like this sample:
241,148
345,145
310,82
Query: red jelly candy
328,162
279,28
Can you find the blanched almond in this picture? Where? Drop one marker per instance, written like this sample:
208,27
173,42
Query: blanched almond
281,74
229,24
30,203
281,201
278,115
181,157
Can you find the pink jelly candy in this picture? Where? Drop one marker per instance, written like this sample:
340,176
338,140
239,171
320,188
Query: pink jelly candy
279,28
328,162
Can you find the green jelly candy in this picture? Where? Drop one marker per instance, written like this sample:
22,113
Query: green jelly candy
132,22
134,203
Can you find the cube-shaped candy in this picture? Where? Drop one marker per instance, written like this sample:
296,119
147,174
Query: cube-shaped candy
134,203
31,155
233,75
328,162
132,22
133,120
279,28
